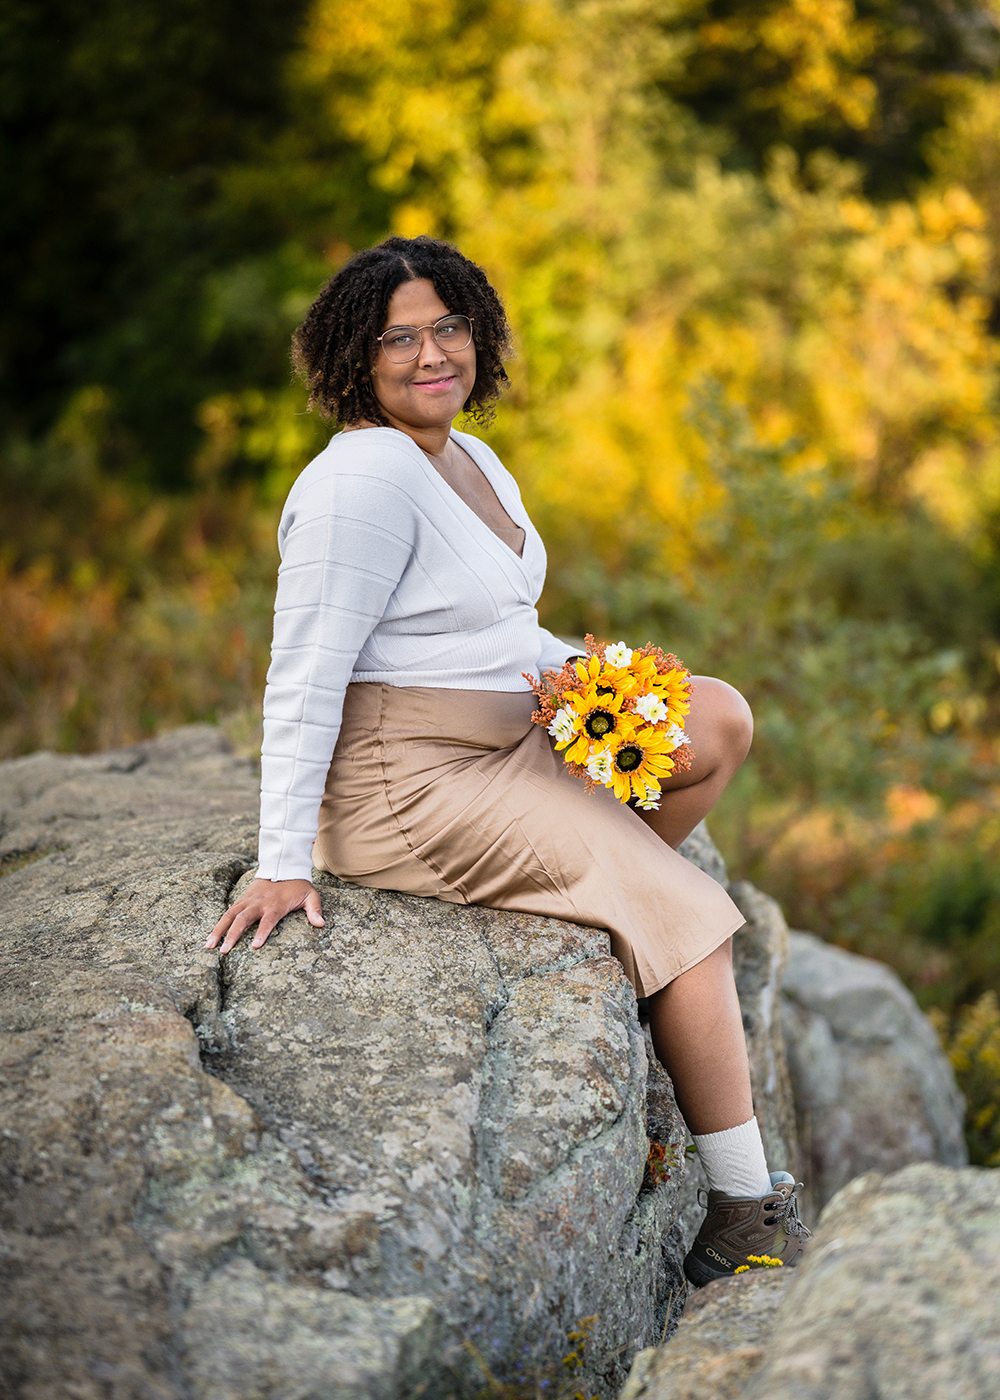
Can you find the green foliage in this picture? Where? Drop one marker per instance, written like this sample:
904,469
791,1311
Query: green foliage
139,251
868,79
973,1046
918,891
841,686
950,905
123,611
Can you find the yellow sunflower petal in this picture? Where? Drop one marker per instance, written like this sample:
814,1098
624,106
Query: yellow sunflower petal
621,785
578,750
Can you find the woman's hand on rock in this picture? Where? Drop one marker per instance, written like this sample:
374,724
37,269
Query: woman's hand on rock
265,904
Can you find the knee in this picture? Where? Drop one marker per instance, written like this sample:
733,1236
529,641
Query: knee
737,720
730,716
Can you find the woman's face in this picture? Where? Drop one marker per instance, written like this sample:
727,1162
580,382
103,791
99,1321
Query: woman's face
428,391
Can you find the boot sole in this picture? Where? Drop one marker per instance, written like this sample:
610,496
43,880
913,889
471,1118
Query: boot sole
699,1273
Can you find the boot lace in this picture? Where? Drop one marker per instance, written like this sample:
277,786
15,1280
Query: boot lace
784,1211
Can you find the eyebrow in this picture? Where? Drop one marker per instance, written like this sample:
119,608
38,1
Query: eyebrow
412,325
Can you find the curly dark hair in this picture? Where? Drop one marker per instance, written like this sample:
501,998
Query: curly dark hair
336,345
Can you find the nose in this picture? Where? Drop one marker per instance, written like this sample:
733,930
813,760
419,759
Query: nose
430,351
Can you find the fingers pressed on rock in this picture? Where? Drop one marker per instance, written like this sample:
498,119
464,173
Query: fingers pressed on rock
266,906
263,933
242,920
220,930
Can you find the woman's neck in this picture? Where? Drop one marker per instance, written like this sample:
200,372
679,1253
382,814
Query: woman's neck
434,441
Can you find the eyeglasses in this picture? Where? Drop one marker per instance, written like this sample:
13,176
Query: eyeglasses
402,343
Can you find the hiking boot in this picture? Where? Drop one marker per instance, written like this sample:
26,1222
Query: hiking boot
744,1231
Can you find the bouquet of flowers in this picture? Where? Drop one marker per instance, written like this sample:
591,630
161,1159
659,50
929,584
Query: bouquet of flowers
618,718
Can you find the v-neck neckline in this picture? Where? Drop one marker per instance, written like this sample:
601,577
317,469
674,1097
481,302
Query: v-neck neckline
494,487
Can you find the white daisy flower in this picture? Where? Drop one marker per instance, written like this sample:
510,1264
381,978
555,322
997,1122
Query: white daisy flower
676,736
618,654
599,767
563,726
652,708
648,803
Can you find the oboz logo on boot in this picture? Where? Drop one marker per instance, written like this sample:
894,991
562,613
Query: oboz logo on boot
721,1258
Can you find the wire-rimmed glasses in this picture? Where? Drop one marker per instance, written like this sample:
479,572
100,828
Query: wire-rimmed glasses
402,343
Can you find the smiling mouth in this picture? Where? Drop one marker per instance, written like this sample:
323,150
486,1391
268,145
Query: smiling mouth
433,383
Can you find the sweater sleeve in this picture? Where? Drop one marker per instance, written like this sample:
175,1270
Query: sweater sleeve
345,543
555,652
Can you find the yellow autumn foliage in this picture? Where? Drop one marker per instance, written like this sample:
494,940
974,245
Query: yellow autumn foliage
636,267
973,1046
815,45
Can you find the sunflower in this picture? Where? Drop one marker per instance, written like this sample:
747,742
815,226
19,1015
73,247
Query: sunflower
597,714
639,761
617,715
594,671
642,676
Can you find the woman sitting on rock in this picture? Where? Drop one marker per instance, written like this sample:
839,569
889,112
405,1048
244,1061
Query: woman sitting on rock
399,750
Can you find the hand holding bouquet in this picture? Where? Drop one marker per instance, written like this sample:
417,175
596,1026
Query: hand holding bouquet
618,718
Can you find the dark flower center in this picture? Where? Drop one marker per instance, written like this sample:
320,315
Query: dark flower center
598,723
628,758
605,690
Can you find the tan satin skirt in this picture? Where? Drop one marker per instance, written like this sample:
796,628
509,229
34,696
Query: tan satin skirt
456,794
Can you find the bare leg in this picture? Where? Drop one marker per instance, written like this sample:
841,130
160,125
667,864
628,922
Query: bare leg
696,1023
720,727
697,1031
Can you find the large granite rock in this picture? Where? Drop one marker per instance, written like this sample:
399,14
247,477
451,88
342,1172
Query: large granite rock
898,1295
873,1088
896,1300
370,1161
719,1345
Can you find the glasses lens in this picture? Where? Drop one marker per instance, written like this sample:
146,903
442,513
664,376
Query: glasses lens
453,332
403,342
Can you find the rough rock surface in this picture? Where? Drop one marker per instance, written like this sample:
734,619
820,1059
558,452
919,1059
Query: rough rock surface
343,1166
719,1344
896,1299
873,1088
326,1170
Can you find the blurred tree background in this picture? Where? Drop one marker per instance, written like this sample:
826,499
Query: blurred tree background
751,251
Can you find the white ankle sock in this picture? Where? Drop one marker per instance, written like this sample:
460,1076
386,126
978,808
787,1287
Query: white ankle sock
734,1160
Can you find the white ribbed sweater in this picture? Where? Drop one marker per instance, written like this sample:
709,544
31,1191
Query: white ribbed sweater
386,575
